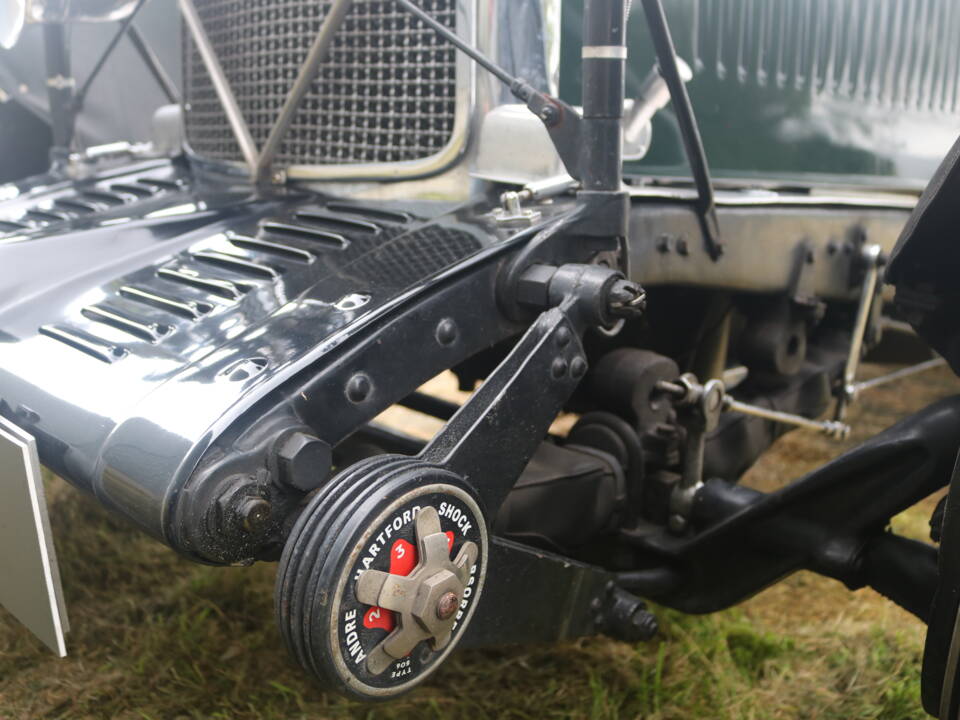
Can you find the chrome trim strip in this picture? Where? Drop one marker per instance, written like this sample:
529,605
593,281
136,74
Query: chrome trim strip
604,52
749,198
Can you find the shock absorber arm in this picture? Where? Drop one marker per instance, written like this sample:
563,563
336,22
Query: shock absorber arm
495,433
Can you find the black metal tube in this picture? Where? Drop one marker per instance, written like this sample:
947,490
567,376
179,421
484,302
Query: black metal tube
604,58
693,144
59,89
903,570
153,64
451,37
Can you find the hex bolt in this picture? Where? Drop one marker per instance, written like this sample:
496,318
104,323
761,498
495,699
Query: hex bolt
578,367
663,243
254,514
358,388
446,332
558,368
304,461
447,605
682,247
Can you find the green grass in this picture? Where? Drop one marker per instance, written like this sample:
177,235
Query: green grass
155,637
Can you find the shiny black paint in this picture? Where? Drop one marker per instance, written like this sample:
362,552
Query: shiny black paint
133,430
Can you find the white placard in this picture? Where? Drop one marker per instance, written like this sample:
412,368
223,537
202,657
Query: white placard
29,577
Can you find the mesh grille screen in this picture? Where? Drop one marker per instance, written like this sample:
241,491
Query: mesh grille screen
387,92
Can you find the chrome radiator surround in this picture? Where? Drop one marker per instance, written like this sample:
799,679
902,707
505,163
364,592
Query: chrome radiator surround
391,102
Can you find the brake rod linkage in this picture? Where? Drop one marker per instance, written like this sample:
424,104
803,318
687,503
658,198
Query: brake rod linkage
687,388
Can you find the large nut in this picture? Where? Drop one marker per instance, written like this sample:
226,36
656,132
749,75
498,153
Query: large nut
304,461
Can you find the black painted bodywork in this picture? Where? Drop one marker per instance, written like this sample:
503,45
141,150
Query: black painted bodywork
229,300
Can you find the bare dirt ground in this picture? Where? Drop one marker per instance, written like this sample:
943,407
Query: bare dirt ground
157,637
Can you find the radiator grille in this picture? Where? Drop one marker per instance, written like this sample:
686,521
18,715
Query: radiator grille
386,94
895,53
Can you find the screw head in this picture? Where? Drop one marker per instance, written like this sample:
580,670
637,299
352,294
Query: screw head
358,388
447,605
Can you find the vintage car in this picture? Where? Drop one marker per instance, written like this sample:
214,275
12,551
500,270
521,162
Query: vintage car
674,225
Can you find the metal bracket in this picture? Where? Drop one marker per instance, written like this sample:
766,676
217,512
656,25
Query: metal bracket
512,410
514,407
512,212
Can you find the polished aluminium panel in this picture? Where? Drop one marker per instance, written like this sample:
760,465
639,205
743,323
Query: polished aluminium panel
29,579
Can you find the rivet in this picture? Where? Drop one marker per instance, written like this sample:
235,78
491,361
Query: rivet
563,337
558,368
578,367
358,388
446,332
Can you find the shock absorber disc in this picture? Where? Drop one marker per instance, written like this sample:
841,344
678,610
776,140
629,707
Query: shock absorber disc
381,575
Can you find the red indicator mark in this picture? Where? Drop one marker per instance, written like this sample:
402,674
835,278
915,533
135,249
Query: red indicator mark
403,559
